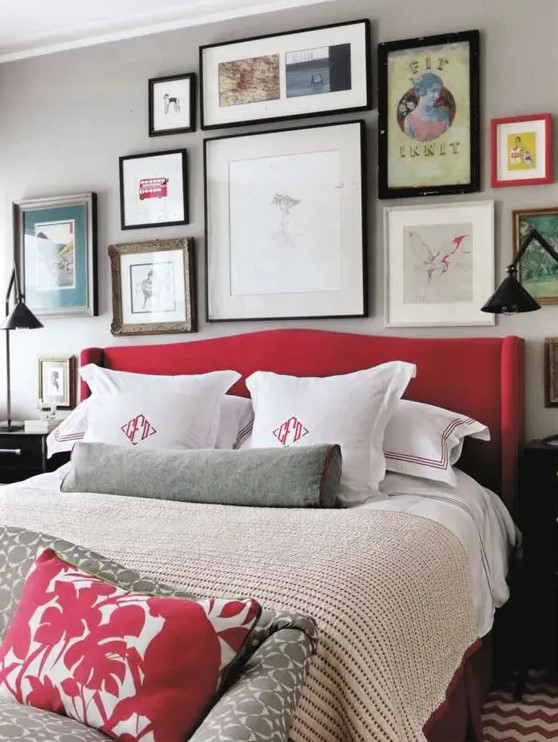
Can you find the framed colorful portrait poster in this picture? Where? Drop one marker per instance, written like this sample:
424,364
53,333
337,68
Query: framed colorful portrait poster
428,110
521,150
537,271
55,243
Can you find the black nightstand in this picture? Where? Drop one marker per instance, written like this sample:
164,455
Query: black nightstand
534,595
23,455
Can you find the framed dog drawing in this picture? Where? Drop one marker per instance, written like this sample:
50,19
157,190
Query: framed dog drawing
172,104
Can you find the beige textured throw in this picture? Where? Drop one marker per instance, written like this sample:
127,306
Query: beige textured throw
390,591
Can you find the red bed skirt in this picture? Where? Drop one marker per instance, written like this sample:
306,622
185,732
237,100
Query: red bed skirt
459,717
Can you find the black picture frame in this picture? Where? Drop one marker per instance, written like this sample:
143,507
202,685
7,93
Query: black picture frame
173,95
265,59
223,301
166,179
437,152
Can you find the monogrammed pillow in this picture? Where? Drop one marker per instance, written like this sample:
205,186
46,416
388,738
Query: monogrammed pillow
351,410
170,412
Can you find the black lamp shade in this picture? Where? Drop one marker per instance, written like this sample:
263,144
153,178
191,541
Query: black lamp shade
21,318
510,297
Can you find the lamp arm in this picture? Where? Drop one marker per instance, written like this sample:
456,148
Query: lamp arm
533,234
13,279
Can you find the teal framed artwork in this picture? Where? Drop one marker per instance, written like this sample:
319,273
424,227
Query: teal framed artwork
55,241
537,271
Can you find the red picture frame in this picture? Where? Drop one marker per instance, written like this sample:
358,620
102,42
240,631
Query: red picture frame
521,150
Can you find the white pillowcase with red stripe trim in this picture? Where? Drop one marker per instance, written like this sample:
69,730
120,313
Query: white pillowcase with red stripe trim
425,441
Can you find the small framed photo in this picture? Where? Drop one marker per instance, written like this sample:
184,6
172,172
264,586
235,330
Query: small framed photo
57,381
153,287
439,264
282,76
428,115
172,104
537,271
55,245
551,372
521,150
285,224
153,190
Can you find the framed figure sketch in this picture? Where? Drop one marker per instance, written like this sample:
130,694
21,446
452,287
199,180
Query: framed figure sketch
429,115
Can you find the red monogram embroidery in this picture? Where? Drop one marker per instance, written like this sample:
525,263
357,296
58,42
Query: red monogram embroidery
137,429
290,431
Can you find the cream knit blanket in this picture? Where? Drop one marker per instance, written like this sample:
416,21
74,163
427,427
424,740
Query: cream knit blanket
389,591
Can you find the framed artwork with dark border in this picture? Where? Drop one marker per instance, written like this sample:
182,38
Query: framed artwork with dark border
537,271
521,150
551,372
153,287
439,264
309,72
57,380
428,115
153,189
55,244
172,104
285,224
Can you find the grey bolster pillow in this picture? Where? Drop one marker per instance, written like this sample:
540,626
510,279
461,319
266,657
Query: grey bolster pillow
299,477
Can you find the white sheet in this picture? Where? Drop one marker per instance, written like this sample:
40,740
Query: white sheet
479,519
473,513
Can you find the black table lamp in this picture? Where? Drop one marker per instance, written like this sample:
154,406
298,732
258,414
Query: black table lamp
18,319
510,297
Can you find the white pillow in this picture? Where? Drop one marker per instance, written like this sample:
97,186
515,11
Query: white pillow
155,411
425,441
235,425
351,410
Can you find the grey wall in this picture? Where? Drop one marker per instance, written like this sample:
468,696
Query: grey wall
65,119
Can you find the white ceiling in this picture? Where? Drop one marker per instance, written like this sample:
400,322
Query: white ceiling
32,27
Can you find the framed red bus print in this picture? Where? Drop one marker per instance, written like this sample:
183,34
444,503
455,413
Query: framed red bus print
153,189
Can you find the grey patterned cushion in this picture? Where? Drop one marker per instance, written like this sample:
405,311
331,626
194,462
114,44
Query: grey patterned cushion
260,700
305,476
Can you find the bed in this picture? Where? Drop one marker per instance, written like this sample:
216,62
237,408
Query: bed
404,662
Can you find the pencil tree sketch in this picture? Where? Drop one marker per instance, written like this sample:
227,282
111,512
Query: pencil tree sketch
284,203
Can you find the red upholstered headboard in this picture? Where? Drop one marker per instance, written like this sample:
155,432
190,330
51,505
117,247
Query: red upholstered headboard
481,377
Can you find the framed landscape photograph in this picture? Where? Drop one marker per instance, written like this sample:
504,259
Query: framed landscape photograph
282,76
285,224
537,271
521,150
172,104
57,382
439,264
551,372
153,189
153,287
428,115
55,244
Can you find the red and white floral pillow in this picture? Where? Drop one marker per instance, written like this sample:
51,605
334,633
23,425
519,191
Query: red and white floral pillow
135,666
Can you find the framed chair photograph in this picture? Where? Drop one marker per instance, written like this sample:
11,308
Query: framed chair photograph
428,115
55,246
277,77
285,232
537,271
153,189
153,287
521,150
57,380
439,264
172,104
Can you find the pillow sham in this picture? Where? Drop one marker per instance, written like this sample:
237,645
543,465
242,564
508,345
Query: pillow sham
351,410
118,661
425,441
305,476
235,425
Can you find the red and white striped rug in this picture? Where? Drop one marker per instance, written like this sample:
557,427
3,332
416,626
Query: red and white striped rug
532,719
